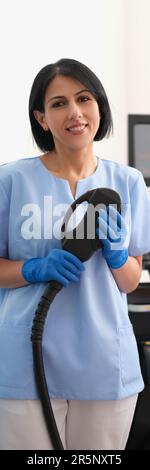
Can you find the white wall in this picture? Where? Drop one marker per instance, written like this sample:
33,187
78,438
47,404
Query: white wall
102,34
138,56
35,33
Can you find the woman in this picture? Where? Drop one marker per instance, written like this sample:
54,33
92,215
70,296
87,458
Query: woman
90,353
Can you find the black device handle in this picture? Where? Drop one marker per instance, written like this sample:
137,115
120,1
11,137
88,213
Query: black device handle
79,241
95,197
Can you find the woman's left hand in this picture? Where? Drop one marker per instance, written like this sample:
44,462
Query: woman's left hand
112,231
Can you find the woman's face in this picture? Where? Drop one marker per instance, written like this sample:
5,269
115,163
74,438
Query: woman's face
71,113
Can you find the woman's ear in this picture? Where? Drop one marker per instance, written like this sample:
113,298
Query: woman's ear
40,117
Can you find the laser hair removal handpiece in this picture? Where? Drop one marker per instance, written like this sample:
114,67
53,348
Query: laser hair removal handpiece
83,248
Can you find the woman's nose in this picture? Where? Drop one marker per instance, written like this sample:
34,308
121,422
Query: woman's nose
74,111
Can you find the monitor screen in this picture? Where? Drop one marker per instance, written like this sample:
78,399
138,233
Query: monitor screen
139,143
142,148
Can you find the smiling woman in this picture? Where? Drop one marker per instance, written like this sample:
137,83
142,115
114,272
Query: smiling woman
90,354
82,80
69,111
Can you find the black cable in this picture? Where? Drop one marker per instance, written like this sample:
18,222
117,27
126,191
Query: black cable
83,248
37,332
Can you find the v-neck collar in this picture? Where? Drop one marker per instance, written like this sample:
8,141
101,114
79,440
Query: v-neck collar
80,182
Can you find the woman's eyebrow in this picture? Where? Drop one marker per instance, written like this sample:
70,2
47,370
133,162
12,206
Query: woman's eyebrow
61,96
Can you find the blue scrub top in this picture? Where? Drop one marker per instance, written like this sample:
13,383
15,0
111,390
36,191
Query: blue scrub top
89,347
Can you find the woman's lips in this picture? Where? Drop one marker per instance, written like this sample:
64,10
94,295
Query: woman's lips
77,129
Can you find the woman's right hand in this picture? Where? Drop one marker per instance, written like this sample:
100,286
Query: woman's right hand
59,265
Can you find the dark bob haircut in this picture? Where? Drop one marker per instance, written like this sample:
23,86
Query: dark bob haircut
74,69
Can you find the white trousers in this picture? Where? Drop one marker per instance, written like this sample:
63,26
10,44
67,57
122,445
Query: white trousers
102,425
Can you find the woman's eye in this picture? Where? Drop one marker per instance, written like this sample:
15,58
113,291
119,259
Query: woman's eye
84,98
58,104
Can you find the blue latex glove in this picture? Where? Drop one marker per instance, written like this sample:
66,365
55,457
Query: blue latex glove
112,232
60,265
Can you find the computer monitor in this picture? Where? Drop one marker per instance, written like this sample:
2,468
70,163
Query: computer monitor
139,144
